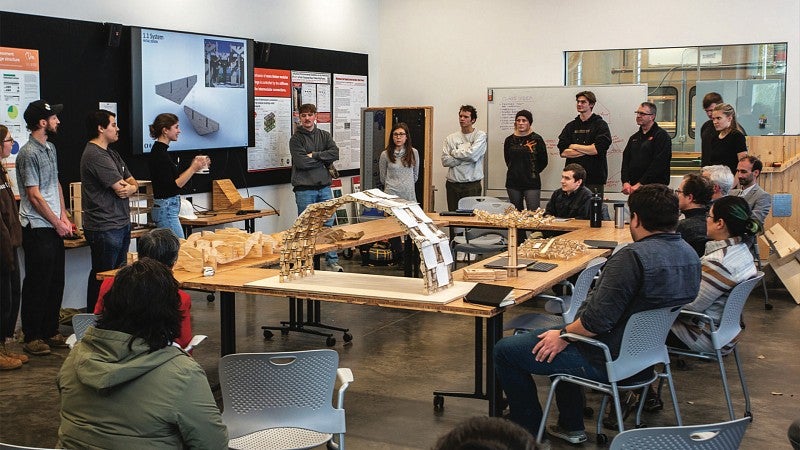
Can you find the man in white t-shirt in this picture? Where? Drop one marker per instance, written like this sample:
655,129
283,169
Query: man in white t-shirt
463,156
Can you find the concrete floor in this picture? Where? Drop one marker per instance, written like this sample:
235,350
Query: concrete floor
399,357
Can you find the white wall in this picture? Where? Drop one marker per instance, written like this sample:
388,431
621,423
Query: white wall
446,53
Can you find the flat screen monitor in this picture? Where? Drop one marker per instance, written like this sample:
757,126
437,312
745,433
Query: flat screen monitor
205,80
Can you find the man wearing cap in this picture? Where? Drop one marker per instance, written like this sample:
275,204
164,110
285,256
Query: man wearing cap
585,141
44,223
106,186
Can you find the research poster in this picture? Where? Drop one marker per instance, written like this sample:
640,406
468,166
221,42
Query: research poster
315,88
349,96
273,120
20,86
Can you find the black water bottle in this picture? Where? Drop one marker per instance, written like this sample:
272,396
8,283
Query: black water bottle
596,213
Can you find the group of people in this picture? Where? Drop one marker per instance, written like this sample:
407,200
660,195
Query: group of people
42,221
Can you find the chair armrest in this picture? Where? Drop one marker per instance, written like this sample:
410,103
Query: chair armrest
345,377
590,341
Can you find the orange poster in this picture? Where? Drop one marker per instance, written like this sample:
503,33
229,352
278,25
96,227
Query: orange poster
19,59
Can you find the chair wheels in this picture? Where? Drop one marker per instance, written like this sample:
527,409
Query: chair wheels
588,412
347,337
602,439
268,334
438,403
749,414
768,306
331,341
210,298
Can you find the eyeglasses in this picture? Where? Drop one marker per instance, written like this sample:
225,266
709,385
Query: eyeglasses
398,134
639,113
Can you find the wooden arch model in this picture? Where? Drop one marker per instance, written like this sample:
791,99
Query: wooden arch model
297,255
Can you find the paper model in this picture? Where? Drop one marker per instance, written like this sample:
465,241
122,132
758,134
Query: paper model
176,90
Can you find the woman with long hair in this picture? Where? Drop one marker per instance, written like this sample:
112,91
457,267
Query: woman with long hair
126,385
399,164
167,180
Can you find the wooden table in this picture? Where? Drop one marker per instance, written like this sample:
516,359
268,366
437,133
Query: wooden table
81,242
211,218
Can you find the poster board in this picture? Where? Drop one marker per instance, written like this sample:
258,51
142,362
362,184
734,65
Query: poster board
552,107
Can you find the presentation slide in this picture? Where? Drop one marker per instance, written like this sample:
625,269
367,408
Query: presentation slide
202,79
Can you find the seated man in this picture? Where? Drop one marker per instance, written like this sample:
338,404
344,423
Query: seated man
573,200
657,270
747,172
694,196
162,245
721,179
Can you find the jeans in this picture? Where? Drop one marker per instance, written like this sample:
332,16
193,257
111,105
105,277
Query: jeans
165,214
43,286
515,363
532,198
109,251
307,197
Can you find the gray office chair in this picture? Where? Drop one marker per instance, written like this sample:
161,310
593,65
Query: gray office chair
566,305
722,334
283,400
21,447
80,323
643,346
716,436
478,241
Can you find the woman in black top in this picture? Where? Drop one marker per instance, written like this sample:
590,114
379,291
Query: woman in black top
727,145
526,156
167,181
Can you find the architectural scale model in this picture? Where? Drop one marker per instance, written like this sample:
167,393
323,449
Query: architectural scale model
202,124
555,248
212,248
297,254
512,218
176,90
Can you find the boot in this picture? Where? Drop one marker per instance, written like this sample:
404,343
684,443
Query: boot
13,355
7,363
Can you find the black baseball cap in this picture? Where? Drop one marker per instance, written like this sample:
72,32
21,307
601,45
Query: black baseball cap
40,109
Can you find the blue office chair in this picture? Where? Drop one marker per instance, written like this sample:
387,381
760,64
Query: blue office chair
716,436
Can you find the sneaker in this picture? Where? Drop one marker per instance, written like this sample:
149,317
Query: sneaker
57,341
335,267
573,437
7,363
36,348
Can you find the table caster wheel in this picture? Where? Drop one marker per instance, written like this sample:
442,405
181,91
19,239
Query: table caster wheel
602,439
768,306
347,253
284,332
438,403
268,334
210,298
330,342
347,337
588,412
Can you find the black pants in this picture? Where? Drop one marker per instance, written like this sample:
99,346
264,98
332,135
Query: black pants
9,298
457,191
43,287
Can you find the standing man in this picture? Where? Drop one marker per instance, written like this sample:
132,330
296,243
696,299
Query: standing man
463,156
657,270
106,185
313,151
586,140
44,223
760,201
694,196
573,200
646,158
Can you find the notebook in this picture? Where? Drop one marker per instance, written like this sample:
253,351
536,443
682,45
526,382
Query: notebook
611,245
490,295
460,212
501,263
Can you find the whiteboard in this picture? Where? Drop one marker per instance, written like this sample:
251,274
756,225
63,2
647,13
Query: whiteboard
552,107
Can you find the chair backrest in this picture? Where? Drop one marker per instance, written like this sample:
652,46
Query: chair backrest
717,436
284,389
581,288
730,325
81,322
643,342
469,203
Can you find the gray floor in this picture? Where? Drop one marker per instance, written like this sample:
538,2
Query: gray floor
399,357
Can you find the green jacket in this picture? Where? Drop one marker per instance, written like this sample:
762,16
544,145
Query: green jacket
113,397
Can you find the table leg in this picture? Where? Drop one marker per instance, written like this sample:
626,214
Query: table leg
227,322
250,225
494,332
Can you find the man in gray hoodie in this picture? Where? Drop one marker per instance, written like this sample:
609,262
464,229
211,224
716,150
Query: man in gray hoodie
313,151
